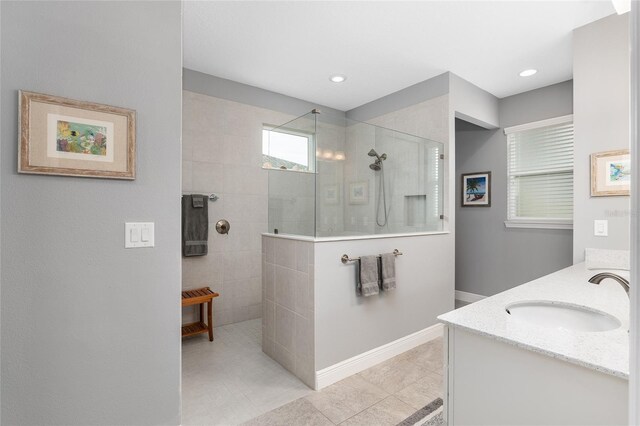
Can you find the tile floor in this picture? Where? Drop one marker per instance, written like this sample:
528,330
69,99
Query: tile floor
230,382
460,304
385,394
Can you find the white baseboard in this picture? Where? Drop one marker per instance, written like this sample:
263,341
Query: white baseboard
468,297
358,363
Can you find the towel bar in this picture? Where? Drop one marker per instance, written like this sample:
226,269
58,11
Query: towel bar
212,197
345,258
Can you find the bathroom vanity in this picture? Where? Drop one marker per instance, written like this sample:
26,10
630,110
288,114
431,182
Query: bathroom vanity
554,351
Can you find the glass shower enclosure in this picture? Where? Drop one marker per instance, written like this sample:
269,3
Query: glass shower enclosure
332,176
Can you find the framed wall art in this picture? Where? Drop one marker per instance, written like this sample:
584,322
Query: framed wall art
476,189
359,192
60,136
610,173
332,194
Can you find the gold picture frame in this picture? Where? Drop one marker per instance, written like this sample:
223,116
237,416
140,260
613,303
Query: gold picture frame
66,137
610,173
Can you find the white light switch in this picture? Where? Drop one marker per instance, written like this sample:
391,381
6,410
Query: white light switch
138,234
601,228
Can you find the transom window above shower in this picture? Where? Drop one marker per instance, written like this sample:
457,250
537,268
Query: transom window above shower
287,149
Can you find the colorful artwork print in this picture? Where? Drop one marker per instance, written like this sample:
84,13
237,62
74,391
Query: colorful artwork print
81,138
476,189
66,137
75,138
610,173
619,172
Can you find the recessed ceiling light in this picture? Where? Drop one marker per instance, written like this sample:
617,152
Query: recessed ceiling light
338,78
528,73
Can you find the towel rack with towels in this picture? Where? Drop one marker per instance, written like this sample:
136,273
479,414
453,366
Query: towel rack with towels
345,258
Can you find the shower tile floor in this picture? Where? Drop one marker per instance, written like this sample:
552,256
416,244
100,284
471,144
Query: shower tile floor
230,381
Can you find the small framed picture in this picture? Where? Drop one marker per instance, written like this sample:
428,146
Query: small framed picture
359,192
610,173
476,189
60,136
332,194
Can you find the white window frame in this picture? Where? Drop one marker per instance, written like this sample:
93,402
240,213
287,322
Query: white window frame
311,146
534,222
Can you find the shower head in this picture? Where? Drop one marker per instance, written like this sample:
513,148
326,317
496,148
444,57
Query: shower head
373,153
376,165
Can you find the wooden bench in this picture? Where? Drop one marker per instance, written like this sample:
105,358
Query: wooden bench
199,296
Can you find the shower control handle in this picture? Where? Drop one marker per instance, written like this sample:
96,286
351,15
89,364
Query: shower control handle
223,226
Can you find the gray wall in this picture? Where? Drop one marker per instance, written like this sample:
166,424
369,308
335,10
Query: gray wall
432,88
489,257
601,96
90,330
206,84
473,104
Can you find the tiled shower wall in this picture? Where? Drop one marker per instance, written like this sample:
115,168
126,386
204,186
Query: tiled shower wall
222,154
429,120
288,297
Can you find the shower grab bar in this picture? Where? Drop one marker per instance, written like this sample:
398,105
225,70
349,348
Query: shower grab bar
345,258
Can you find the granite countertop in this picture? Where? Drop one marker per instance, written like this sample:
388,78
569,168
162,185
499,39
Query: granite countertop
606,351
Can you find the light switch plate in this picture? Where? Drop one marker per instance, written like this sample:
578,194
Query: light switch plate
601,228
139,234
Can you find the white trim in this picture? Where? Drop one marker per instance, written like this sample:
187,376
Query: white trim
449,366
539,224
468,297
335,373
634,295
352,237
544,172
538,124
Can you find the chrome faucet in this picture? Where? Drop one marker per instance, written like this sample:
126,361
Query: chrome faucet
596,279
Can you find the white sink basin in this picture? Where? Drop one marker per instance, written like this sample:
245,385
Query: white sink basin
562,316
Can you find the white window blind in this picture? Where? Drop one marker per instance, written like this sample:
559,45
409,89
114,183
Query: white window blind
540,173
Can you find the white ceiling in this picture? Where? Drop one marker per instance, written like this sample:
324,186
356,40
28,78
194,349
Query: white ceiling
293,47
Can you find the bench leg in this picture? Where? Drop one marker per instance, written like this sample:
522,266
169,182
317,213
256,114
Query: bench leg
201,312
210,320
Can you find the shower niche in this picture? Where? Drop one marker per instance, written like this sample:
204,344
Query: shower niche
349,178
415,208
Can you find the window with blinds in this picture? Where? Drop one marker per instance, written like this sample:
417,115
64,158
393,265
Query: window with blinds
540,174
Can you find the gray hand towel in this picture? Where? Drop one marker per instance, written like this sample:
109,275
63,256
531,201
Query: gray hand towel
368,278
195,225
388,262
